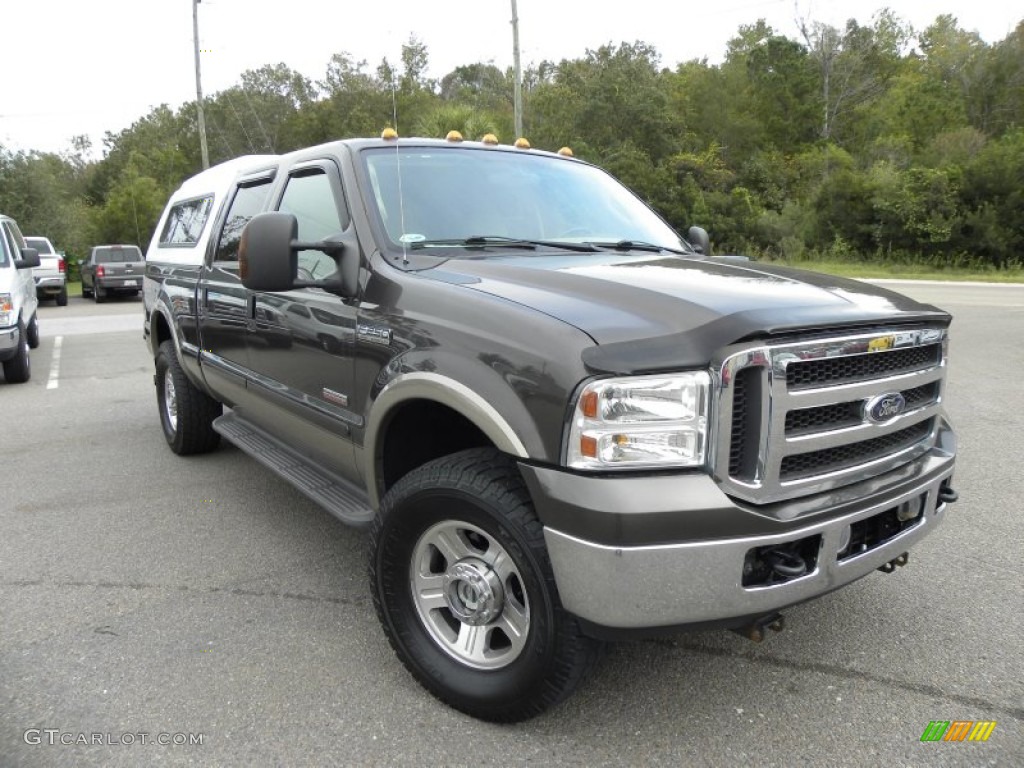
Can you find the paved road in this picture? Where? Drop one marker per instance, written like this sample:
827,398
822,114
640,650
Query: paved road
142,593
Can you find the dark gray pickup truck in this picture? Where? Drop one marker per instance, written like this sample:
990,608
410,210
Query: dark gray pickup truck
562,422
111,270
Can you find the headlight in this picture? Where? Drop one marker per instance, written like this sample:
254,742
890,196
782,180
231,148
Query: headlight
641,421
6,310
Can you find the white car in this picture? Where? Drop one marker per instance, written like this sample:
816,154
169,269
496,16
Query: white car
19,326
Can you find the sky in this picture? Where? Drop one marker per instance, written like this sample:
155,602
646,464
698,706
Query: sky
88,67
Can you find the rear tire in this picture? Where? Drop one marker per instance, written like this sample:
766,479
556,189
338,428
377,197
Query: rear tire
62,297
464,589
186,412
99,293
18,369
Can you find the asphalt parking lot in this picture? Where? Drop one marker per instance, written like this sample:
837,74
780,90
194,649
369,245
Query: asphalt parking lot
202,602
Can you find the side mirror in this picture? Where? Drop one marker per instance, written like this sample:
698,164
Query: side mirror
29,259
266,261
698,238
268,255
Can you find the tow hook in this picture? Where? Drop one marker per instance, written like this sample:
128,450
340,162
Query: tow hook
895,562
947,495
755,630
786,563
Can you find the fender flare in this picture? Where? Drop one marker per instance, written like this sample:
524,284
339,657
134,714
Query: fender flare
421,385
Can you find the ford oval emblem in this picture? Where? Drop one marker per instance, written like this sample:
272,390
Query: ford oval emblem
886,407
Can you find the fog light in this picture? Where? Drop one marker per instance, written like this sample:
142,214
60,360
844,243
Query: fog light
844,540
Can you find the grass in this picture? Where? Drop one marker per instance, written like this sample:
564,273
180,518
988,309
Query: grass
871,269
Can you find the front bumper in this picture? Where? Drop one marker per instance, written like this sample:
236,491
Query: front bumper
10,342
699,579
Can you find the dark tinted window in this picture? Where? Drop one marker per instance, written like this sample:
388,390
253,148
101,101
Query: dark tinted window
311,200
186,221
109,254
41,244
248,201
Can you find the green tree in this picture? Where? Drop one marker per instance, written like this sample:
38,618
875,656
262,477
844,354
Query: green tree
854,67
131,211
473,124
993,197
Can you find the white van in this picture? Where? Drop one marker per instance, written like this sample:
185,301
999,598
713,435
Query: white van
19,326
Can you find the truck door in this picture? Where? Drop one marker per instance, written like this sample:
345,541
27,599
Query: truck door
224,303
302,344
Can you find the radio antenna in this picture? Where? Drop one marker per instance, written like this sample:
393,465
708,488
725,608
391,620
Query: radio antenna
398,170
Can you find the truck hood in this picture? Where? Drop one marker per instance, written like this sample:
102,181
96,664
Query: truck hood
649,312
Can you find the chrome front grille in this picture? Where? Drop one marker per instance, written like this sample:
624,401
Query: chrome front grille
830,372
798,417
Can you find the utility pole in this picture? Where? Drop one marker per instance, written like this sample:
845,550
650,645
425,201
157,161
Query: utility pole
517,88
199,87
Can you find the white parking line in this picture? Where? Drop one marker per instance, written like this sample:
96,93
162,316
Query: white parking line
54,380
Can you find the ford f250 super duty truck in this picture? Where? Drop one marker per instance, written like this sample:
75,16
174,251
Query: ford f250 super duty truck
562,422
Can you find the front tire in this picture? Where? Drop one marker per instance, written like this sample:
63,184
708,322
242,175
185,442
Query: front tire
18,369
465,592
32,333
186,412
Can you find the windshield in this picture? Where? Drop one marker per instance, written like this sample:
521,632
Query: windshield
117,253
427,194
41,244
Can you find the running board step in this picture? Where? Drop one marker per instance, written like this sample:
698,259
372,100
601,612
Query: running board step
335,494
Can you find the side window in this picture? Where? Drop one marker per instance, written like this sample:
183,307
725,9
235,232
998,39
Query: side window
248,201
310,198
185,222
13,239
16,238
5,245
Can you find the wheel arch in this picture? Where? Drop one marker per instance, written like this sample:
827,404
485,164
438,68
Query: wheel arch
410,396
161,329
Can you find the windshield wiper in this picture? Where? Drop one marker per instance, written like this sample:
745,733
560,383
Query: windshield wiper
638,245
499,241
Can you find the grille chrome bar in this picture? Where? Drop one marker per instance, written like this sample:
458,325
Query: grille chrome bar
800,416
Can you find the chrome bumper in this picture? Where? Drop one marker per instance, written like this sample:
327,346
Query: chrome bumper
688,583
10,342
